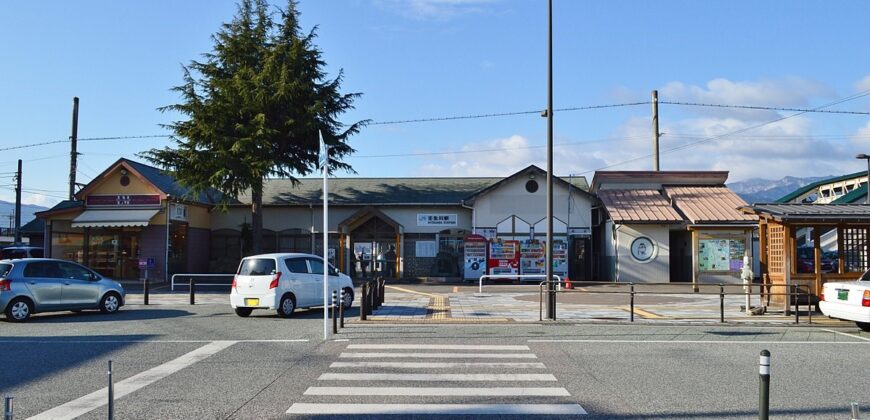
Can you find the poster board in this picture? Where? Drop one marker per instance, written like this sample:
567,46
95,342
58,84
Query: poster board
720,254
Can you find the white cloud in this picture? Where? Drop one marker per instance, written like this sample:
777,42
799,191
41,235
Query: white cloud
39,200
863,84
433,9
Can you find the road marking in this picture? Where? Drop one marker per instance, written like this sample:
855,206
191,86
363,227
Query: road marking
64,342
340,340
430,409
643,313
435,347
97,399
847,335
438,365
401,289
436,377
440,355
697,342
428,391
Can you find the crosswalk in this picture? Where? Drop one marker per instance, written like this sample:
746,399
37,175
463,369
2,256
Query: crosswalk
456,379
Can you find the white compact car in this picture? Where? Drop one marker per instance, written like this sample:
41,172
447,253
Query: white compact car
284,282
849,300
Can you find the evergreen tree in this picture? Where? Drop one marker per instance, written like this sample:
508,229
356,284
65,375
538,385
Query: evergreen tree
254,107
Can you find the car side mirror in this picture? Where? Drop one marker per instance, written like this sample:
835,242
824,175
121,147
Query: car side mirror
95,277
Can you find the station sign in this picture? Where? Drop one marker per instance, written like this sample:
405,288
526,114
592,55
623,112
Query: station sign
123,200
426,219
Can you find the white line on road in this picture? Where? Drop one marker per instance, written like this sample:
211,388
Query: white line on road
444,409
436,377
438,365
434,347
427,391
440,355
99,398
697,342
847,335
65,342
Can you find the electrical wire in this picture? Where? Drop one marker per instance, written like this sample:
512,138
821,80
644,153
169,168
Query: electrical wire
503,114
766,108
504,149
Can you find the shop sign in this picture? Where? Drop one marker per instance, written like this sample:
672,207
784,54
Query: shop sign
123,200
178,212
147,263
580,231
424,219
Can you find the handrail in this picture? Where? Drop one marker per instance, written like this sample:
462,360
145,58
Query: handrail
172,280
797,291
517,276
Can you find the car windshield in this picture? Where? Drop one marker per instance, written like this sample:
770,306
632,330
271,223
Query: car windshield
4,269
257,267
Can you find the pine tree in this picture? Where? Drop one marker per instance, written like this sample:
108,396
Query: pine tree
254,106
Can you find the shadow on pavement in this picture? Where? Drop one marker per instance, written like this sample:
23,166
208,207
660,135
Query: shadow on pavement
124,314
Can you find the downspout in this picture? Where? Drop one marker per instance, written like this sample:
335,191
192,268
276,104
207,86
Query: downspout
311,239
616,249
473,215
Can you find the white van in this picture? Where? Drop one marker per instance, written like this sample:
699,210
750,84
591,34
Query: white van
284,282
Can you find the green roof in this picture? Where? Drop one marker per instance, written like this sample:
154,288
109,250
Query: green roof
809,187
856,196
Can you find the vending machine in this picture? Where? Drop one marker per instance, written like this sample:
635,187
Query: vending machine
475,257
560,259
532,258
504,257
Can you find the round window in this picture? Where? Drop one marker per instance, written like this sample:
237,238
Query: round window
532,186
642,249
125,180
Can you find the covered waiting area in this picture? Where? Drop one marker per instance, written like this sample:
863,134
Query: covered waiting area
807,245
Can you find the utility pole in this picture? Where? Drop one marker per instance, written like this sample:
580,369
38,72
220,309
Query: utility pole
73,155
551,287
18,204
655,127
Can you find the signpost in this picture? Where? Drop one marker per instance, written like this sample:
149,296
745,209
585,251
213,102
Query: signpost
323,162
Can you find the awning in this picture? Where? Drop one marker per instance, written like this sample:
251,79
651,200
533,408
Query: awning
114,218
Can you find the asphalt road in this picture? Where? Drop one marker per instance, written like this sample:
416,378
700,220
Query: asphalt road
203,362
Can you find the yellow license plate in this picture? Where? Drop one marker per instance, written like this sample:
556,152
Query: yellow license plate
252,302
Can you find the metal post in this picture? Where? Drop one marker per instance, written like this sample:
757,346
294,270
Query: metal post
632,301
145,290
655,127
764,385
334,313
375,291
856,412
551,288
73,154
111,393
341,309
797,303
192,291
363,305
7,408
18,204
372,298
383,291
721,302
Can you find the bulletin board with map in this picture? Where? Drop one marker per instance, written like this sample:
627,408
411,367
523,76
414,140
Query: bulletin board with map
720,254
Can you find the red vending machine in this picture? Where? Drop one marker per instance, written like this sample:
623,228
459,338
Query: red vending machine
475,257
504,257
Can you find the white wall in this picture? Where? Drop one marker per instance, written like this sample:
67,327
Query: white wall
513,199
656,270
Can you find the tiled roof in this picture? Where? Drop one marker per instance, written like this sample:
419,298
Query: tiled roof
708,204
811,212
643,206
368,191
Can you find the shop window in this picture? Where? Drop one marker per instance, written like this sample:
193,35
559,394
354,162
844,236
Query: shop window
68,246
829,240
805,258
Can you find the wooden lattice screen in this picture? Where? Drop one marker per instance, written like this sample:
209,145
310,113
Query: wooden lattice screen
776,249
854,249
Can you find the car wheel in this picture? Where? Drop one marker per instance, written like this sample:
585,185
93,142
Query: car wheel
348,298
244,312
19,310
287,306
864,326
110,303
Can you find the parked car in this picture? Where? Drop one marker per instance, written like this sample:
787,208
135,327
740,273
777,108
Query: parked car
15,252
283,282
33,285
849,300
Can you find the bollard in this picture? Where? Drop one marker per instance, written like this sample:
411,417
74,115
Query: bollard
377,296
363,309
145,290
373,289
7,408
111,393
632,301
764,385
192,291
383,291
797,306
334,317
341,310
856,412
721,302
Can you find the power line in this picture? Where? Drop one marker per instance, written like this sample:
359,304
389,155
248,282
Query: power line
766,108
502,114
503,149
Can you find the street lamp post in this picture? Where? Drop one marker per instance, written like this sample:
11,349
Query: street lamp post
867,158
551,287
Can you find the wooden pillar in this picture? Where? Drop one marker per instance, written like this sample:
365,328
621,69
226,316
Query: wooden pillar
695,272
763,256
817,255
399,245
788,245
841,260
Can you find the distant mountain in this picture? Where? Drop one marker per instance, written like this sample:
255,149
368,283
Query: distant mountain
758,190
7,210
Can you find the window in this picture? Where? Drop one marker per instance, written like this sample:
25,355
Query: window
296,265
257,267
72,271
42,269
5,269
316,266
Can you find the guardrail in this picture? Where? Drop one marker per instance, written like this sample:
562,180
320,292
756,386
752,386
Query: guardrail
797,291
517,276
189,275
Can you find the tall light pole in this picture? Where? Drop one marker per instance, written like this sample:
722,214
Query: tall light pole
551,287
867,158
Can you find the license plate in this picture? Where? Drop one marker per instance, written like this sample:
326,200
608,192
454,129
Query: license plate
843,294
252,302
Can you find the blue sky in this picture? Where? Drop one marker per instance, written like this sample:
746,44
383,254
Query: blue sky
437,58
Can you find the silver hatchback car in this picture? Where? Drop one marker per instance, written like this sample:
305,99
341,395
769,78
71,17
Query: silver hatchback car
31,285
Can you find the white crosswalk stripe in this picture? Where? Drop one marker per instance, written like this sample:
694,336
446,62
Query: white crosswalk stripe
374,378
